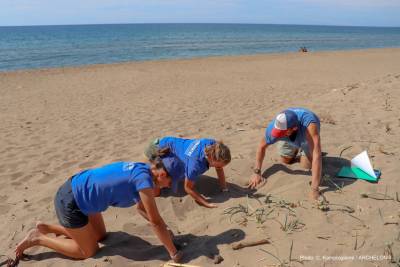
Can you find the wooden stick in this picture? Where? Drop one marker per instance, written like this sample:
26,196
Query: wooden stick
250,244
323,237
171,264
386,223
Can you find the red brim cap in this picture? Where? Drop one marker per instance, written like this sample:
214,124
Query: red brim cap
278,133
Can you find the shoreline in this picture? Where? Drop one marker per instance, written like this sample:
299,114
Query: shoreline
190,59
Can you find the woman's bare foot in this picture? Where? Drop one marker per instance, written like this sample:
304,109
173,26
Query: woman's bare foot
31,239
42,227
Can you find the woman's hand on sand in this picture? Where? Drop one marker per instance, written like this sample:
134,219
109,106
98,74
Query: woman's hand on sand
255,180
210,205
177,257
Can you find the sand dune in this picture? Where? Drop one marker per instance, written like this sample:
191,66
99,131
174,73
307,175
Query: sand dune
58,121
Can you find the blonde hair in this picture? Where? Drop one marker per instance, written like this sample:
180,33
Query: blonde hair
158,154
219,152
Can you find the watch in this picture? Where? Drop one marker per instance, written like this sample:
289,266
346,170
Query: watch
257,171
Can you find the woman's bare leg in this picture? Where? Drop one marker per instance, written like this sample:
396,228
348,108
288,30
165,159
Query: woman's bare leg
56,229
97,222
82,244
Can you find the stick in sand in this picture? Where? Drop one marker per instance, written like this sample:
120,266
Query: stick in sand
250,244
171,264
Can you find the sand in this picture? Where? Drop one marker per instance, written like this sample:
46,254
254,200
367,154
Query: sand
56,122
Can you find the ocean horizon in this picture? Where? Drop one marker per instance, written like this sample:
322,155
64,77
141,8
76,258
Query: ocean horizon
32,47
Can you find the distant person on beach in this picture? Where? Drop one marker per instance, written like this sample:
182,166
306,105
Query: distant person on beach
297,131
81,199
198,155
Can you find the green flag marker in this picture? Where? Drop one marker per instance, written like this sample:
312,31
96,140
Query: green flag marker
361,168
357,173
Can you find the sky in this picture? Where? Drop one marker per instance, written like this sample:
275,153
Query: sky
308,12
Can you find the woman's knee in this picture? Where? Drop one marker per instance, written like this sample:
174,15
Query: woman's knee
101,236
90,251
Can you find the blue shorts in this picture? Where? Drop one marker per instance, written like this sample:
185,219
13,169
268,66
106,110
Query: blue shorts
68,213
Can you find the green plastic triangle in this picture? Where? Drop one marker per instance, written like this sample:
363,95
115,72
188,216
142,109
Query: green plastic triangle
355,173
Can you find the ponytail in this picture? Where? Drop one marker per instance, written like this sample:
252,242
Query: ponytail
161,152
219,152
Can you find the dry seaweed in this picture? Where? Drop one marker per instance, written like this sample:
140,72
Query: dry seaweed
328,178
282,263
344,149
260,214
290,226
388,251
325,206
377,196
356,246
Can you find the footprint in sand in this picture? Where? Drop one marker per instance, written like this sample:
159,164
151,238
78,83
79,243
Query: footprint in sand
4,209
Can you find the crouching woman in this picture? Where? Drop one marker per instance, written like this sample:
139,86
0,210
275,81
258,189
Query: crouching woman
81,199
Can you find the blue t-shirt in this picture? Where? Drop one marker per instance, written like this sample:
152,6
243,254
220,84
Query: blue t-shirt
116,184
190,152
305,117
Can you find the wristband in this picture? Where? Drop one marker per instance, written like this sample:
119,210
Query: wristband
257,171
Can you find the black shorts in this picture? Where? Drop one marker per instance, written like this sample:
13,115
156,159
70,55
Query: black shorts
68,213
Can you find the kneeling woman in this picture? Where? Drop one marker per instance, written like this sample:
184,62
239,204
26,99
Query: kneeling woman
81,199
198,155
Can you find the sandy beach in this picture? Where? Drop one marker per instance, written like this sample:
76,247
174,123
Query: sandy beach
56,122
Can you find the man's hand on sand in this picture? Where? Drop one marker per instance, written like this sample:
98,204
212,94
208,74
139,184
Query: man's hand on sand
255,180
315,194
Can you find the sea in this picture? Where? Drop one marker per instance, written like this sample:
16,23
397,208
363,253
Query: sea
32,47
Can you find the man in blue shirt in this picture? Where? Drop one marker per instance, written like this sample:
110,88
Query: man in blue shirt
297,130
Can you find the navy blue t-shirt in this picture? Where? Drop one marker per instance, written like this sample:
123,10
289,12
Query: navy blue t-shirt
190,152
304,117
116,184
